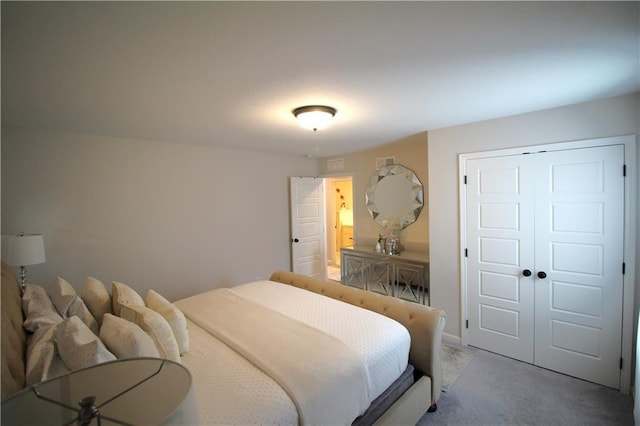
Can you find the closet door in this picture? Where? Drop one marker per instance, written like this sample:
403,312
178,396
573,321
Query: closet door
500,252
579,255
544,263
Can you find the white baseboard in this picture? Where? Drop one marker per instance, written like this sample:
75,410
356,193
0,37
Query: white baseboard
450,338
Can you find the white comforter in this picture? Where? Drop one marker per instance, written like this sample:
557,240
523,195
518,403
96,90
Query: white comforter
231,390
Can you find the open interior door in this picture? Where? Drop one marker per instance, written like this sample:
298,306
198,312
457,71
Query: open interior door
308,251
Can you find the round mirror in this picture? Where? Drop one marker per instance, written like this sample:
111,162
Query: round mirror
394,197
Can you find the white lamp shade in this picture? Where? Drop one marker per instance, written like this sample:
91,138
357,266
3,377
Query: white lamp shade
134,391
26,249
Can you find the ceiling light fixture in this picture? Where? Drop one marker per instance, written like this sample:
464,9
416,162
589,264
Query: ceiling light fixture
314,117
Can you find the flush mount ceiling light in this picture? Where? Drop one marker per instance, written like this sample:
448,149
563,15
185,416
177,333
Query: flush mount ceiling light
314,117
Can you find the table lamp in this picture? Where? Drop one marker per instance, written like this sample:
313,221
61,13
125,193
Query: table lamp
25,249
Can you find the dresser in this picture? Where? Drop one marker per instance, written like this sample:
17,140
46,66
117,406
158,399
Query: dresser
405,276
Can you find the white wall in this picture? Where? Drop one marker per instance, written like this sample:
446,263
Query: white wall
177,218
608,117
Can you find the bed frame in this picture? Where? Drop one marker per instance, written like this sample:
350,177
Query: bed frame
13,336
425,325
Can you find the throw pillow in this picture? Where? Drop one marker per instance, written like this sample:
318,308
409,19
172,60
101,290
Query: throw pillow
174,317
122,294
96,297
68,304
38,308
155,326
62,296
125,339
42,359
78,346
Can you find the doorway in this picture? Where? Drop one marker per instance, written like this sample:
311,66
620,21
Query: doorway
339,205
544,244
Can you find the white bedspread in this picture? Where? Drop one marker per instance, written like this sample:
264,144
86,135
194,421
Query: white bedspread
325,378
231,390
382,342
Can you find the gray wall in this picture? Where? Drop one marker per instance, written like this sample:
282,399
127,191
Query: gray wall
177,218
607,117
184,218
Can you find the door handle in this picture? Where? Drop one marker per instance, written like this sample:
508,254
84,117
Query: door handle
542,275
526,273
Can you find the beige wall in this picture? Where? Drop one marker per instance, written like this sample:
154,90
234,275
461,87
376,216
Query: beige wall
607,117
410,152
177,218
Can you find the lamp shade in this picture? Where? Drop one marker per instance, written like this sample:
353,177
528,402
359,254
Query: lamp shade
314,117
26,249
134,391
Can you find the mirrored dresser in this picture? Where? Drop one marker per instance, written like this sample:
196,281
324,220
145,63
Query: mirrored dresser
405,275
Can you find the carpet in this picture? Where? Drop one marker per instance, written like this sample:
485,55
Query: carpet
454,360
494,390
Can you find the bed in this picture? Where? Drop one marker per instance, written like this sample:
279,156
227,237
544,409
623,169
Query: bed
393,379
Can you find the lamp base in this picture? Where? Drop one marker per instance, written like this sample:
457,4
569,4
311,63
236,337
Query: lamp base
23,277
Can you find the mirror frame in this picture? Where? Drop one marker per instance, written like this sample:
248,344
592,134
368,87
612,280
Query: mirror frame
401,218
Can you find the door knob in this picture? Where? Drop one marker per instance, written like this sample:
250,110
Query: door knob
526,273
295,240
542,275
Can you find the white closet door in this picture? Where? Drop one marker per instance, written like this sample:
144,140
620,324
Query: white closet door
579,246
545,253
500,237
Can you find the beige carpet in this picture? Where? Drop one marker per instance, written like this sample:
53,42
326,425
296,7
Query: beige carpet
454,360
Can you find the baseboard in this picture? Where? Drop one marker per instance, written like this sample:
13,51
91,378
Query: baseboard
450,338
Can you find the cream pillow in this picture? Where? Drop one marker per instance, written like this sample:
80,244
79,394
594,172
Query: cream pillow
125,339
174,317
79,309
96,297
42,359
122,294
68,304
62,296
78,346
155,326
38,308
